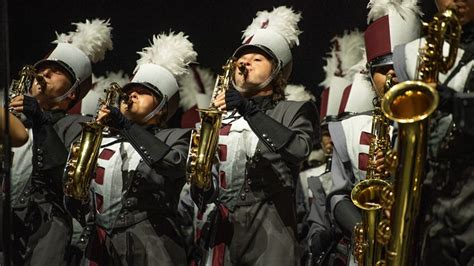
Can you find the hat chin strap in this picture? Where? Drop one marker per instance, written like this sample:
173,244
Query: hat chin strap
261,85
66,94
156,110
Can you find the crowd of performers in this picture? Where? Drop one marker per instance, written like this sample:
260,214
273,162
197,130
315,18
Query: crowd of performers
284,167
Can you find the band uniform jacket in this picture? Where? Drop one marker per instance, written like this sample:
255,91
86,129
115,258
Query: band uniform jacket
140,173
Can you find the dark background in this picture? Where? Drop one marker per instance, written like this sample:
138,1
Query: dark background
215,28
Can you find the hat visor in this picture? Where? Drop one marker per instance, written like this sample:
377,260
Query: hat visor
59,63
381,61
146,85
256,48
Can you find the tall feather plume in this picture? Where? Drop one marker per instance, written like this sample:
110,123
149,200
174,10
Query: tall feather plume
171,51
351,49
92,37
189,87
103,82
282,20
298,93
346,51
380,8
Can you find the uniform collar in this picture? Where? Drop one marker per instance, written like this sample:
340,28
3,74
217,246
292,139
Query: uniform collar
263,102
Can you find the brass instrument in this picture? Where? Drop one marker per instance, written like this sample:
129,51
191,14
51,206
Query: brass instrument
23,85
410,104
366,195
83,154
203,144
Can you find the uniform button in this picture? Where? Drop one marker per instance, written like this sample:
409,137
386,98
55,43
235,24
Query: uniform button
243,196
40,164
269,140
129,203
141,160
39,158
246,190
142,148
134,189
273,145
26,193
39,151
22,200
264,135
82,240
249,181
145,152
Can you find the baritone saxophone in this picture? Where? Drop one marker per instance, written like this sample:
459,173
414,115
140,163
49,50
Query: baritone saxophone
410,104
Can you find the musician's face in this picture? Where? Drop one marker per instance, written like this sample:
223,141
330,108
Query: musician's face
379,77
56,82
465,8
141,102
259,69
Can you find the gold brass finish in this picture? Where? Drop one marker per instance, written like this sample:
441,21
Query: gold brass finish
203,144
366,195
83,154
410,104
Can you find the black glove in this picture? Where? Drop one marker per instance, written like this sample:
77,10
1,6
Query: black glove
118,120
33,112
235,100
320,242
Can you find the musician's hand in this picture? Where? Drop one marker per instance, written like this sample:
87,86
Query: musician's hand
30,107
219,102
235,100
118,120
380,161
103,115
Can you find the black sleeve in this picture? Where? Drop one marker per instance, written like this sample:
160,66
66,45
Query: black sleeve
273,134
295,139
347,215
150,148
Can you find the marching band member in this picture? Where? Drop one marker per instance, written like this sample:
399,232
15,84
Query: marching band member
346,51
392,23
446,237
141,166
41,226
262,145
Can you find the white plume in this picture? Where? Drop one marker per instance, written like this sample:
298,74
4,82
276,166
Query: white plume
173,52
189,87
380,8
351,49
359,67
298,93
93,38
345,52
103,82
282,20
330,68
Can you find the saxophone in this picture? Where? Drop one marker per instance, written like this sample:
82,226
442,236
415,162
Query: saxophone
410,104
366,195
23,85
203,144
83,154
